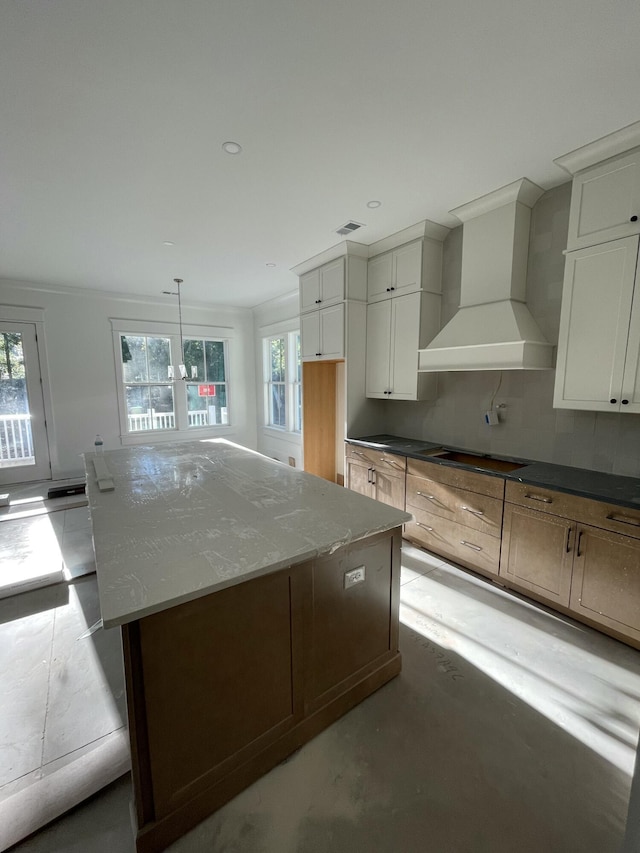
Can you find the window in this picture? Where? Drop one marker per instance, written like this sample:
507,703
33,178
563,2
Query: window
153,400
283,381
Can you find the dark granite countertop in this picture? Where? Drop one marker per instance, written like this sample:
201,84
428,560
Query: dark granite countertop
596,485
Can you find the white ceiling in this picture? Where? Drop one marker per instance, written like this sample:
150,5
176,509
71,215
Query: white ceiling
113,113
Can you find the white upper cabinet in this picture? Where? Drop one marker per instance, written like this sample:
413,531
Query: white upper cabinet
322,333
400,271
605,201
599,339
322,287
396,329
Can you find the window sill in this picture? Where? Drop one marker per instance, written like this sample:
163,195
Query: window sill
282,434
157,436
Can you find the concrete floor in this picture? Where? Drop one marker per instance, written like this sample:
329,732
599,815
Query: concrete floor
509,729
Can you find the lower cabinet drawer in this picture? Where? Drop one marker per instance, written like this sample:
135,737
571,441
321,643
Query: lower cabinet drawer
469,509
471,548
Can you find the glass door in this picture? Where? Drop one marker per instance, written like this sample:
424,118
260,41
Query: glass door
24,451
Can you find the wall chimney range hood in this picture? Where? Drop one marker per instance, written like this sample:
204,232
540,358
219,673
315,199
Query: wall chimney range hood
493,328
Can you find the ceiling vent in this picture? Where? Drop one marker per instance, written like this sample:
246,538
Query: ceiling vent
349,228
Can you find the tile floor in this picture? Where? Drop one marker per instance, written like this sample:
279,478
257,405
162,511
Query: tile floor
62,714
509,729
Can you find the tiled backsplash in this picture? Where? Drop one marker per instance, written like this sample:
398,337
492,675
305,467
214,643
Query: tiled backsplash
529,425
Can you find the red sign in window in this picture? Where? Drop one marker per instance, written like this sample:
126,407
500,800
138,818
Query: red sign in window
206,390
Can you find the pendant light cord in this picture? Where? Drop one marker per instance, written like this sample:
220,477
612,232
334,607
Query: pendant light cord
179,281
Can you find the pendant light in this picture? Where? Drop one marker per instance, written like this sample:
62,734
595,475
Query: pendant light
182,370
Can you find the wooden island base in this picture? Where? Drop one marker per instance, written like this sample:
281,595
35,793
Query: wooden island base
223,688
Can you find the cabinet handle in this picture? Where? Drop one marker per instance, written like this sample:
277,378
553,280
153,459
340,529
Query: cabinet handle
568,549
539,498
318,353
613,400
470,545
373,476
578,554
391,463
426,526
369,475
633,218
624,402
472,511
428,497
623,519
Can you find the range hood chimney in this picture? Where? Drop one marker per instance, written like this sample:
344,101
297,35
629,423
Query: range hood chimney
493,329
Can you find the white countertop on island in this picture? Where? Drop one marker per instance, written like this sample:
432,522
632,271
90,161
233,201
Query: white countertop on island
186,519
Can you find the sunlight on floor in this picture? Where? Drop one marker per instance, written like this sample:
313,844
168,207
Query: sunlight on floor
585,683
30,555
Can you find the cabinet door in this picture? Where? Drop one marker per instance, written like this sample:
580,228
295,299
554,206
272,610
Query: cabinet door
630,394
388,488
378,349
379,274
359,477
309,291
407,268
594,326
332,331
405,332
310,335
606,580
332,283
537,552
603,201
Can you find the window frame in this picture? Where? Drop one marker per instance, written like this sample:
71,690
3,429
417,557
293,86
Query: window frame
182,430
291,382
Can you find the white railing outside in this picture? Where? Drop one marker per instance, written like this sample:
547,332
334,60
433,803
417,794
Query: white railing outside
163,420
16,441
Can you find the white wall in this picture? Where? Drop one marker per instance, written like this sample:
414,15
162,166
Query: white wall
81,364
277,315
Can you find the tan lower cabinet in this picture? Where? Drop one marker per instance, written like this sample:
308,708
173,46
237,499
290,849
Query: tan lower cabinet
378,475
537,552
556,552
574,553
606,580
458,514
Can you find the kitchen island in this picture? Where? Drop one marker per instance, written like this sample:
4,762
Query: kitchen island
257,605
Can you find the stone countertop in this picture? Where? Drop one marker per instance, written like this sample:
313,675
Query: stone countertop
190,518
597,485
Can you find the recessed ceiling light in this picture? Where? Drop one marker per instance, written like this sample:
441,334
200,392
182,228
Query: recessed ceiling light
373,204
270,265
231,147
167,243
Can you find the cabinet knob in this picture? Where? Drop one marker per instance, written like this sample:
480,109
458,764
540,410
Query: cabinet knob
318,301
613,400
392,288
625,402
318,353
388,290
633,219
